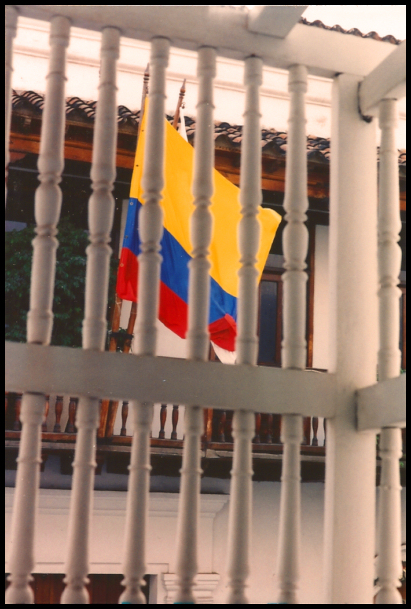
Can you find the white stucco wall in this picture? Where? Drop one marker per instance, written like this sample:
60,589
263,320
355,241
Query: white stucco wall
108,533
320,338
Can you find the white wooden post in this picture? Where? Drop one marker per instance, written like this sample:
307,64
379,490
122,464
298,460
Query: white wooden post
10,34
101,212
349,540
151,230
239,525
198,336
389,565
40,317
295,244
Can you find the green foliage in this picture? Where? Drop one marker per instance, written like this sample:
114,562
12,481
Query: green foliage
68,304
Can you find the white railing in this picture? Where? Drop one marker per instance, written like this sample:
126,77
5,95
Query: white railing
244,388
101,213
197,335
295,246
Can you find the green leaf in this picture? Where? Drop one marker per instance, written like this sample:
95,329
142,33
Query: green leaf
68,303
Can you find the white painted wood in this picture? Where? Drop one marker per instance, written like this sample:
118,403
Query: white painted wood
201,222
274,20
225,29
168,380
40,318
349,536
295,235
198,339
239,524
48,194
22,559
289,541
389,252
386,81
101,204
10,34
151,230
101,212
389,567
294,345
382,405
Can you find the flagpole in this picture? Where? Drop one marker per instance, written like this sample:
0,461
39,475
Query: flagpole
179,104
109,409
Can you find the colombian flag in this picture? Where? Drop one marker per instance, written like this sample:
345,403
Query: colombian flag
177,204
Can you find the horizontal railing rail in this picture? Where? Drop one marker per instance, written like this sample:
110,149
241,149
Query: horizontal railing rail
208,26
119,376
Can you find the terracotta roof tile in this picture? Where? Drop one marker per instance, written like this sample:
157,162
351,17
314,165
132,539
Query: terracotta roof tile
353,31
225,134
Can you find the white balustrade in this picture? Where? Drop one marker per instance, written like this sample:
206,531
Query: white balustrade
198,336
101,212
239,527
151,230
10,34
293,355
389,565
350,472
40,318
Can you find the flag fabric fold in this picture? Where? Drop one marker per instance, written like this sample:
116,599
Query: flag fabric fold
177,204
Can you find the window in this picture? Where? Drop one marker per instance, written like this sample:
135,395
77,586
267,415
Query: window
270,319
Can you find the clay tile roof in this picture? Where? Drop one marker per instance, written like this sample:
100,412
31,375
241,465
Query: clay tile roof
229,136
353,31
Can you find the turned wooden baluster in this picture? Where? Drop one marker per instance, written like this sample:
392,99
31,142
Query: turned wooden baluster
163,419
151,231
294,347
270,426
257,437
46,413
198,340
277,428
229,427
40,317
72,410
174,422
314,441
266,428
58,409
100,214
124,416
389,565
325,427
222,419
17,412
238,559
208,426
306,431
11,30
